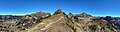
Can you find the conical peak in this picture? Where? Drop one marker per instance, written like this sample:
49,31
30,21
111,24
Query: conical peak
59,12
70,13
84,13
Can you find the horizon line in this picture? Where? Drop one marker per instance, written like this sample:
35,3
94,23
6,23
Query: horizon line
67,14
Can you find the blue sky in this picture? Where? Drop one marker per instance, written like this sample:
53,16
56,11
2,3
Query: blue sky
93,7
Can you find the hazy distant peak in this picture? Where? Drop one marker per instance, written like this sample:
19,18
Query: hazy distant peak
84,13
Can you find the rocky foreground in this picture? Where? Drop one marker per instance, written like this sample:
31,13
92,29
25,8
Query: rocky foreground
61,22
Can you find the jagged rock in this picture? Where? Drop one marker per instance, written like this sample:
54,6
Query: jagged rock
70,15
83,15
61,22
114,21
58,12
30,20
55,23
43,15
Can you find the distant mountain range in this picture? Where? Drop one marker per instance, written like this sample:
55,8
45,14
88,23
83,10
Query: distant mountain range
59,22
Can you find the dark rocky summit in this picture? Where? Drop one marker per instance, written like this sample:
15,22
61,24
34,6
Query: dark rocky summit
61,22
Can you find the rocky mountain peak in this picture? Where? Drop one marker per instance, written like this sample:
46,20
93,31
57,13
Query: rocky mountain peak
60,22
55,21
58,12
43,14
84,15
70,15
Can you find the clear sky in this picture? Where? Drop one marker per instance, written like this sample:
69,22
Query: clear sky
93,7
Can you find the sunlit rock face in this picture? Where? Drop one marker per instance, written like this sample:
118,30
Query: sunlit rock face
87,23
30,20
61,22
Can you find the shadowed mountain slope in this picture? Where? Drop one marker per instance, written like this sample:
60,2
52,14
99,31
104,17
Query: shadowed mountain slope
61,22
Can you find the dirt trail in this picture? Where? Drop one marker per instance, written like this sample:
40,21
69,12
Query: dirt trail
46,27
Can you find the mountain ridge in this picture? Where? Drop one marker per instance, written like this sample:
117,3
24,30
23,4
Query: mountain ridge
61,22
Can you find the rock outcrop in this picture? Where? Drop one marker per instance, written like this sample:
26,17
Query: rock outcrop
61,22
58,22
29,21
